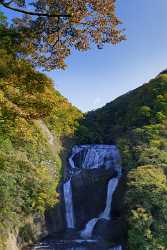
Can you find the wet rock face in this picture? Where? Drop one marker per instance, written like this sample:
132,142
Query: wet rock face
89,197
118,198
89,194
113,230
55,219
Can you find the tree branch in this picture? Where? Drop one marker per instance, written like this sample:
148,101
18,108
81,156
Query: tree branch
31,12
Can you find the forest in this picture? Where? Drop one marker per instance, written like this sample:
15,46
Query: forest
39,126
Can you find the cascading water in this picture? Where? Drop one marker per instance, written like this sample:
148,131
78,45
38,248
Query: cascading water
103,157
97,156
111,188
68,204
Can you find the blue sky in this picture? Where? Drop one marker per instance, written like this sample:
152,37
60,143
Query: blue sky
96,77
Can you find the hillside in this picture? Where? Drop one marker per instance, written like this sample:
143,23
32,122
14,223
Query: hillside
137,123
35,122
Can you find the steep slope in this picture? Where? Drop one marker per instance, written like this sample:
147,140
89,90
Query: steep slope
137,123
35,121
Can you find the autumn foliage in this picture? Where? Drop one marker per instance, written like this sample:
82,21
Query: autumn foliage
52,29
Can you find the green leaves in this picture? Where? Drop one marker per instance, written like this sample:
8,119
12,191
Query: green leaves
146,201
3,20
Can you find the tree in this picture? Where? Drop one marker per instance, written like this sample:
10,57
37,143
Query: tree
53,28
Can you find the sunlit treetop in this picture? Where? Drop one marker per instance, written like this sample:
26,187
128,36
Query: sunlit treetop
52,28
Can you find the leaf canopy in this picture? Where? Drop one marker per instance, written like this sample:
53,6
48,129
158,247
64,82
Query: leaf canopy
53,28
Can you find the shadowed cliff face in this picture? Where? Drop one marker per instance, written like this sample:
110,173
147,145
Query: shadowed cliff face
89,194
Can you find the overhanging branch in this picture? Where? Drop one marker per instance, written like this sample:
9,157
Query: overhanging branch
8,6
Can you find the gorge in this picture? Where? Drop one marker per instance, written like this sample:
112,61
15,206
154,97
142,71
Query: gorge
38,128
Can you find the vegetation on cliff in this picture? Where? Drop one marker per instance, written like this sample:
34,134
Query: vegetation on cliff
137,123
29,169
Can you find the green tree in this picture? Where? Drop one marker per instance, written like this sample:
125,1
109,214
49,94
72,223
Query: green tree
146,200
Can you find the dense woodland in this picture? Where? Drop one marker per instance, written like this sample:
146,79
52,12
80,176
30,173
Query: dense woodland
137,123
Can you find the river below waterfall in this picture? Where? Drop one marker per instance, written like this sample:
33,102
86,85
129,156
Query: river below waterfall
87,165
73,245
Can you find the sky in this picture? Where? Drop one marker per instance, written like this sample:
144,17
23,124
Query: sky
97,77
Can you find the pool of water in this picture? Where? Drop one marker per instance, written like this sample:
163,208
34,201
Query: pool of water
74,245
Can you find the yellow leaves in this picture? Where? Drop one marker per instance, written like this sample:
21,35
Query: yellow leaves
29,170
23,129
1,97
141,214
147,175
47,189
39,37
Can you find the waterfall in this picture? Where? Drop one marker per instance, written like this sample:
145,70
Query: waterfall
111,188
93,156
117,248
68,204
87,231
85,158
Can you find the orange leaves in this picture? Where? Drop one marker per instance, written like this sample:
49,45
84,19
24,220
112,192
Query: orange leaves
79,25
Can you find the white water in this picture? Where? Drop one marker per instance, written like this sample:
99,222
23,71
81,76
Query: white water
68,204
111,188
116,248
48,247
87,231
96,156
